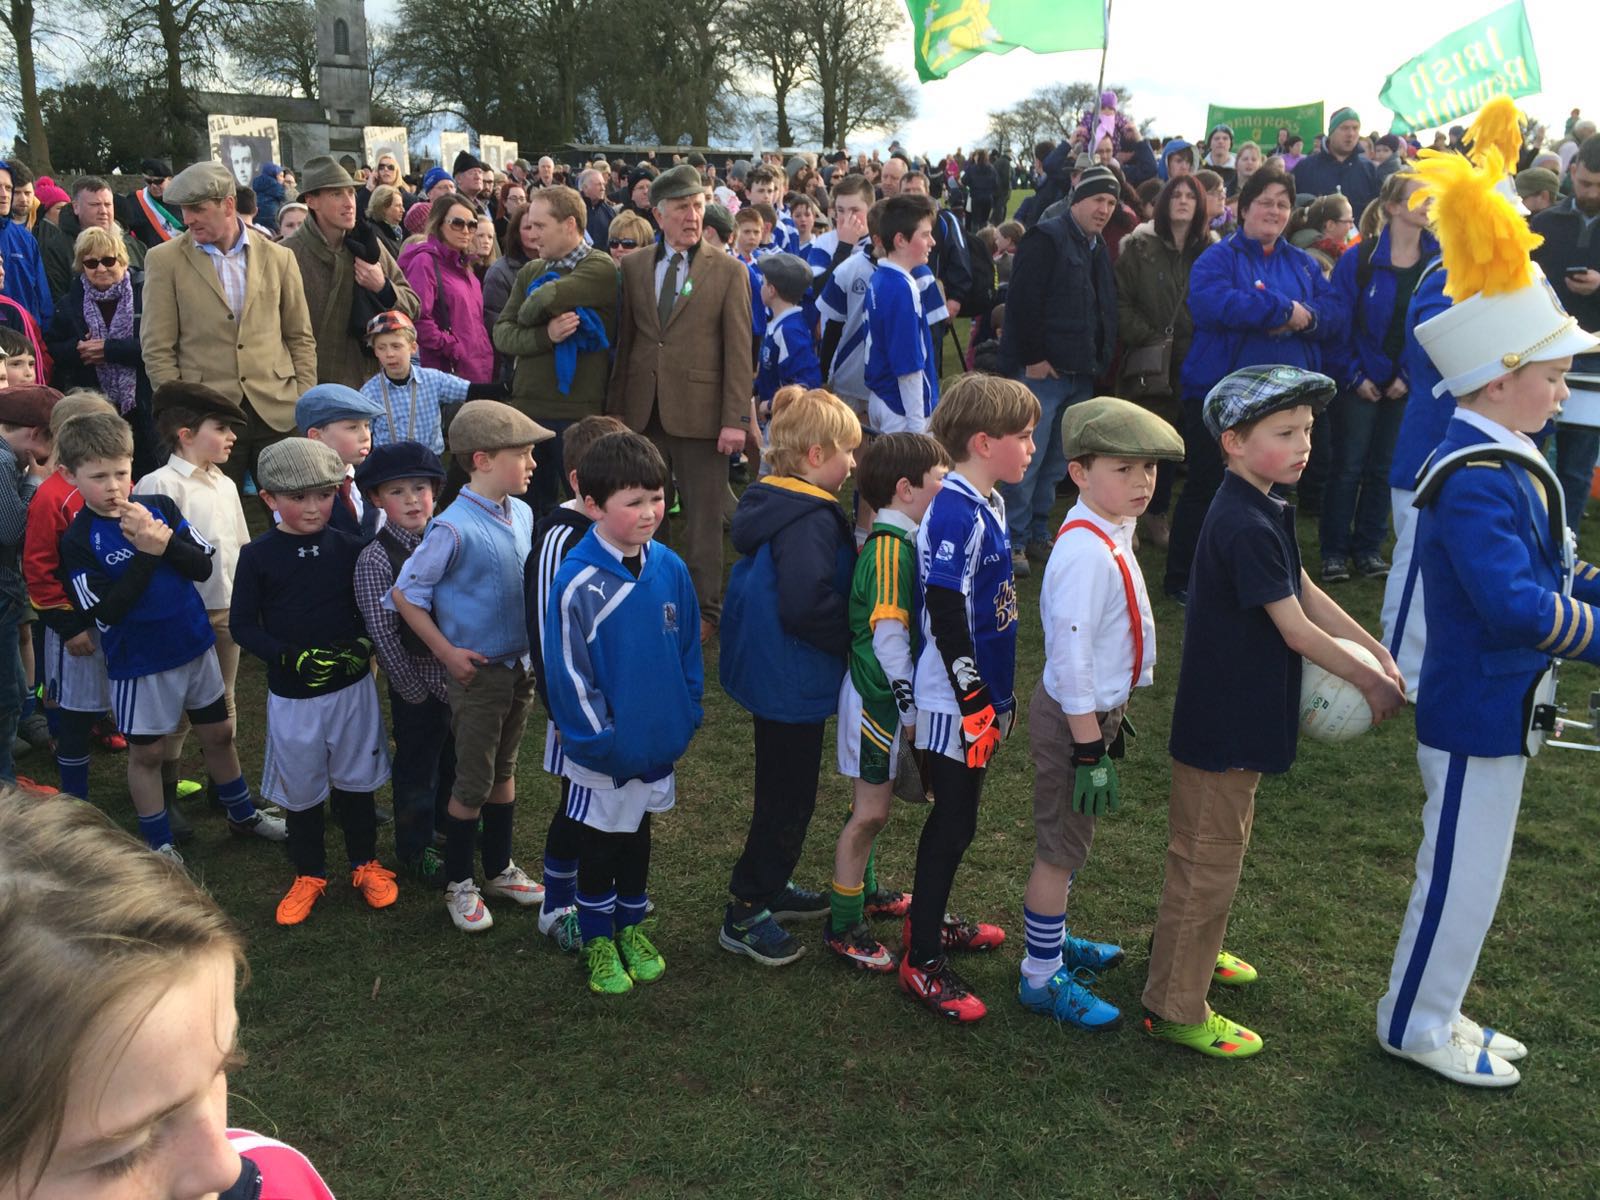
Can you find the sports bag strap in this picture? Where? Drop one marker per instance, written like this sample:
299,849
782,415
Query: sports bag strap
1135,621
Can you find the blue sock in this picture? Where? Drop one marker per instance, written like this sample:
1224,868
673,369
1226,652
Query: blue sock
594,915
156,830
631,910
560,883
74,775
1045,935
235,798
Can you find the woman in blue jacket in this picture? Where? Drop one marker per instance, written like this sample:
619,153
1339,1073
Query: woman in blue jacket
1255,299
1375,282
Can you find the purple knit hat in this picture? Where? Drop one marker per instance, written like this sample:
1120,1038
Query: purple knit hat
1108,99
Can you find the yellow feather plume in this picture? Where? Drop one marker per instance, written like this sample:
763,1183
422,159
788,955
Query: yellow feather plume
1483,239
1499,124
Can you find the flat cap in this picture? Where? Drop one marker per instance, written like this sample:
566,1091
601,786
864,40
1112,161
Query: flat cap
297,464
719,218
333,402
1251,393
1535,180
79,404
208,402
682,180
1119,428
493,425
398,460
198,183
787,273
324,171
27,407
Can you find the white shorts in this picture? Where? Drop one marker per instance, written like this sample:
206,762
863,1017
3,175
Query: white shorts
860,736
593,801
75,682
885,420
553,758
940,733
156,704
323,742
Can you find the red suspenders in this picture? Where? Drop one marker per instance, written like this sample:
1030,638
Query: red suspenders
1135,621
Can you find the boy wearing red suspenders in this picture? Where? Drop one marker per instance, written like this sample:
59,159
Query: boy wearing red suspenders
1100,644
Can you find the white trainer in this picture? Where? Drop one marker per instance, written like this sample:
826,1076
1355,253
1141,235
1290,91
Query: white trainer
1491,1040
513,884
466,906
168,850
1459,1061
262,825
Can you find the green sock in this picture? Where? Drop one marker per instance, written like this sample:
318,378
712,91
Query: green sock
848,907
870,878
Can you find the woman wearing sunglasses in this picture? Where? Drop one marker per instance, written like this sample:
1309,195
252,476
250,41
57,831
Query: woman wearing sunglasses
629,231
450,329
94,337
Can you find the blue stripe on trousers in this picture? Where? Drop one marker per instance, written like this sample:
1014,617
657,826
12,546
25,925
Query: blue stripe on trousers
1438,887
1413,569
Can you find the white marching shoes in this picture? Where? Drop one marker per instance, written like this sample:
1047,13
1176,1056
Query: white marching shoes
1464,1059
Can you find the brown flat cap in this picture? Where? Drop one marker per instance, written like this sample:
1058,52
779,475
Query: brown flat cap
493,425
208,402
27,407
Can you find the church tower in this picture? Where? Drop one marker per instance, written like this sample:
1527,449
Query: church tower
343,81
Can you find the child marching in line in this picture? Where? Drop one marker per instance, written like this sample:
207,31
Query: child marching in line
622,610
1504,597
898,476
1099,644
75,682
557,533
294,607
1253,613
965,671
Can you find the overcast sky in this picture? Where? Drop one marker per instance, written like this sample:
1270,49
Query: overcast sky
1176,59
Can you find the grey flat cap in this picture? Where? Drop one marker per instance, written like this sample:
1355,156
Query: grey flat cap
298,464
681,181
199,182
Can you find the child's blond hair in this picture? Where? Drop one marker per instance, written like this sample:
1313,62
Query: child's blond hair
977,403
804,418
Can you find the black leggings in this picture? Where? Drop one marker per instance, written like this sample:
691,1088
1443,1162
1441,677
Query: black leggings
564,840
945,837
614,860
788,760
360,822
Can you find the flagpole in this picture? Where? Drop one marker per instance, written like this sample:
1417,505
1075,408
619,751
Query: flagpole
1104,50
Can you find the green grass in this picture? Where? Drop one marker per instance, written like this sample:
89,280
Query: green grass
410,1061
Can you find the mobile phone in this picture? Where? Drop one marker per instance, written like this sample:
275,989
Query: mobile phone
1577,270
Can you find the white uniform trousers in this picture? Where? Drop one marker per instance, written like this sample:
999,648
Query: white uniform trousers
1467,826
1404,624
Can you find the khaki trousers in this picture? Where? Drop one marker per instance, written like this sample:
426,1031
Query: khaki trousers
1209,815
701,476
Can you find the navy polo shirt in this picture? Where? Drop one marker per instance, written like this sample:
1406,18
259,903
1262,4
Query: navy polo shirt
1238,702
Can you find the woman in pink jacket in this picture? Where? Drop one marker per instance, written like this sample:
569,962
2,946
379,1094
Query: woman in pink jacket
450,332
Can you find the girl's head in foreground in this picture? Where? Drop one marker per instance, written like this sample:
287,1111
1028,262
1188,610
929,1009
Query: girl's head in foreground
118,1027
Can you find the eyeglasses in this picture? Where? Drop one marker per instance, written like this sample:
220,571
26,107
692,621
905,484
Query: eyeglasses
387,167
462,223
108,261
154,180
624,244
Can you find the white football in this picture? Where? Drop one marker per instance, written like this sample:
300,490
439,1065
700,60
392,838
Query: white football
1332,709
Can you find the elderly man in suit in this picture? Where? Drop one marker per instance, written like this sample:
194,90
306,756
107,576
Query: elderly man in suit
684,368
224,306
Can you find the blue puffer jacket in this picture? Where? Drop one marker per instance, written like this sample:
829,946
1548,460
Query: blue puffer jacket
1371,310
1427,416
1238,295
785,628
268,187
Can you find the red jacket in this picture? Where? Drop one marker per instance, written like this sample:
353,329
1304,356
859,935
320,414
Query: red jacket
51,510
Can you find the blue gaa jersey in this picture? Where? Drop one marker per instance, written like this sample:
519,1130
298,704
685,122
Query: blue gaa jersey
844,301
899,339
788,355
962,545
149,614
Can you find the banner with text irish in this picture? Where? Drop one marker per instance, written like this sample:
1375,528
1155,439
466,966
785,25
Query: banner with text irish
1461,73
1261,125
947,33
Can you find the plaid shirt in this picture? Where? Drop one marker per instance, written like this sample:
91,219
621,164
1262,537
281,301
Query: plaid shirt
411,407
231,268
565,264
414,677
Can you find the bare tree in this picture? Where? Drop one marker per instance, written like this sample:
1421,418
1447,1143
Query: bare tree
854,87
20,19
767,31
276,50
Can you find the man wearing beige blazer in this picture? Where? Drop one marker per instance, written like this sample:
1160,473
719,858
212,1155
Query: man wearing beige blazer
685,369
224,306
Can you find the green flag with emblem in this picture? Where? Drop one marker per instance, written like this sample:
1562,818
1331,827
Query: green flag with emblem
947,33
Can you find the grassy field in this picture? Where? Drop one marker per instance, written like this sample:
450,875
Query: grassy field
413,1062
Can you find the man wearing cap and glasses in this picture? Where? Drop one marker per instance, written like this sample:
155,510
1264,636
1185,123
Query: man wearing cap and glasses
340,260
224,306
145,213
684,368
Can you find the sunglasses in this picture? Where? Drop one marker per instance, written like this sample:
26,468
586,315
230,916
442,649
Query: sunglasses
462,223
108,261
624,244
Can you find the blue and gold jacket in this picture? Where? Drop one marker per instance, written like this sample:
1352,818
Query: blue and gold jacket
1494,576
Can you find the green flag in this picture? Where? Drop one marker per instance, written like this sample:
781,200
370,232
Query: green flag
946,33
1261,125
1459,74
